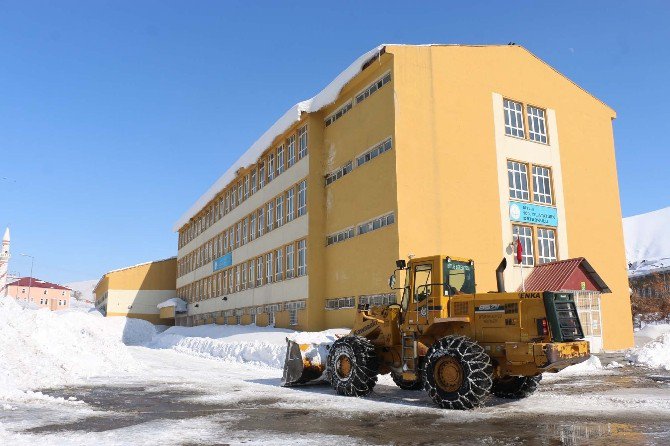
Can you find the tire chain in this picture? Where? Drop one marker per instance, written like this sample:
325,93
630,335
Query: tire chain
364,370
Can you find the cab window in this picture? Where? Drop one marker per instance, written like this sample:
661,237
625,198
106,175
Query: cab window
459,277
422,281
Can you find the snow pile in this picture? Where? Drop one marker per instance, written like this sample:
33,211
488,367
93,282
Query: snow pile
180,305
264,346
324,98
648,240
42,348
587,367
655,353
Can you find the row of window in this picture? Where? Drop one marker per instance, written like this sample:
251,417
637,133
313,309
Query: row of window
369,300
538,243
360,97
266,170
363,228
45,301
292,307
540,189
516,121
23,291
367,156
280,264
282,209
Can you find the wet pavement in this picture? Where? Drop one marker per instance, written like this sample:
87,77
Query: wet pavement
133,405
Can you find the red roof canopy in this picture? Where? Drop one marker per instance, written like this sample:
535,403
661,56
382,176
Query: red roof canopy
37,283
571,274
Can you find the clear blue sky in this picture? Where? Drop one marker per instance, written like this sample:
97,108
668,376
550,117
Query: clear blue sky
108,108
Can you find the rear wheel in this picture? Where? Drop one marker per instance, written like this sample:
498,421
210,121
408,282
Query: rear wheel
457,373
516,387
352,366
407,385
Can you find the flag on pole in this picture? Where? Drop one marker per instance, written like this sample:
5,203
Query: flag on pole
519,252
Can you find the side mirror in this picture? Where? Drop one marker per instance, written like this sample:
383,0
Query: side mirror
392,281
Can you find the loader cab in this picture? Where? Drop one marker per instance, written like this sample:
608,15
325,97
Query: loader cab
428,279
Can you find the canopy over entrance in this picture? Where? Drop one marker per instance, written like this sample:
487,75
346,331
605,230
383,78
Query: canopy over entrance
570,274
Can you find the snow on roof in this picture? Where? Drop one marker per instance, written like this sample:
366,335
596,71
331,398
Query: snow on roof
179,304
648,240
327,96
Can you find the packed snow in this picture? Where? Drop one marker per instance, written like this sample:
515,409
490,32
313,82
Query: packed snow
648,241
41,348
179,304
653,347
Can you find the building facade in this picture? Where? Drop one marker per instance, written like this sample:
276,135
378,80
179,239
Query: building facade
136,291
413,150
41,293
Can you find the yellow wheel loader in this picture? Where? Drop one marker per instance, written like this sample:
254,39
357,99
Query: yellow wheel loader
456,344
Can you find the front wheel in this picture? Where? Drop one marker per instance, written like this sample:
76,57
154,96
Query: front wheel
516,387
457,373
352,365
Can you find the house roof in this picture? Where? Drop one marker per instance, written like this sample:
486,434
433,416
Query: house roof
37,283
555,276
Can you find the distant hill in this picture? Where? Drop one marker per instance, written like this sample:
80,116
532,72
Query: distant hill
647,238
85,287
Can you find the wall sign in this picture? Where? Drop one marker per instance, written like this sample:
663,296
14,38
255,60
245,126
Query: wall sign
533,213
223,261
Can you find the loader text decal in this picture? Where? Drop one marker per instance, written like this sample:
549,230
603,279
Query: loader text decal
365,329
530,295
490,308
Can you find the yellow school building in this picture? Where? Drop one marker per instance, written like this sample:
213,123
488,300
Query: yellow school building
136,291
460,150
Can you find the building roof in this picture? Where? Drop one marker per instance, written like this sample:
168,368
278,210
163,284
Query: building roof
560,275
37,283
324,98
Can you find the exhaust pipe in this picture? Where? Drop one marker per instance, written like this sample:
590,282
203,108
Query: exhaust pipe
500,280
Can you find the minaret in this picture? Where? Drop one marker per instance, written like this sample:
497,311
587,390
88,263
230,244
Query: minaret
4,262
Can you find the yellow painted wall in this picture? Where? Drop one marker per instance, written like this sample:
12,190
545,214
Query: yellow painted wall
153,318
447,178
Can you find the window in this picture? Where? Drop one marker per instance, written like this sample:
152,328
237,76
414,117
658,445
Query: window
252,228
259,271
302,142
244,279
546,245
271,167
372,88
377,299
542,185
245,231
289,261
524,235
227,201
513,119
279,265
376,223
290,149
237,278
340,236
537,130
252,273
302,257
339,113
279,210
422,281
293,317
271,215
290,208
268,267
261,221
271,318
246,186
302,198
253,182
341,302
233,197
339,173
517,174
280,160
240,193
238,237
261,175
377,150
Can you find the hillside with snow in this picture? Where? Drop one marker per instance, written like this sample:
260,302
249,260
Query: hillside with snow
647,238
85,287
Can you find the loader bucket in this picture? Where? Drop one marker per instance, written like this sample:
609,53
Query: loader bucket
304,363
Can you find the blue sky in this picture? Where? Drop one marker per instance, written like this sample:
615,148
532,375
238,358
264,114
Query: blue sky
107,108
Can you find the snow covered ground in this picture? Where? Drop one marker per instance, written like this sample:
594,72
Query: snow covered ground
72,377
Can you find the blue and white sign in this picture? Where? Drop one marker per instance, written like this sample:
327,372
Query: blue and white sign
223,261
533,214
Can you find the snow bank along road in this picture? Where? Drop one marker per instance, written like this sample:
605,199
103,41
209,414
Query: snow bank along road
77,381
